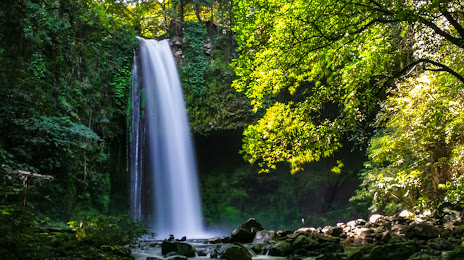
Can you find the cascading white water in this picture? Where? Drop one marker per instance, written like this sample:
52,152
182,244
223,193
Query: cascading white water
164,185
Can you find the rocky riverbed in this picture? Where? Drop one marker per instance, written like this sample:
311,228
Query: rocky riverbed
430,235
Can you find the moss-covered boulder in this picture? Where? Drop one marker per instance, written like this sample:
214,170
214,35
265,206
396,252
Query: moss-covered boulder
183,249
281,248
399,250
236,252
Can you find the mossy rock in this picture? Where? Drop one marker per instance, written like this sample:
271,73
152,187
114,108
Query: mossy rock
184,249
330,256
424,256
305,242
236,252
257,248
281,248
391,251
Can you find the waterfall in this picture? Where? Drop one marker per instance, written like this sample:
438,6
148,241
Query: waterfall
164,185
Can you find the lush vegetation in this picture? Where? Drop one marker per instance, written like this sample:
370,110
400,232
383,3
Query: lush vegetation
310,80
341,60
416,157
64,75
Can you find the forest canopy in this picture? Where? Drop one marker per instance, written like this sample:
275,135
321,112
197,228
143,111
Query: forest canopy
348,66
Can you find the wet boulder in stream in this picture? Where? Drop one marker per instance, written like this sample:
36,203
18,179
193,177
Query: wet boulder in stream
246,232
183,249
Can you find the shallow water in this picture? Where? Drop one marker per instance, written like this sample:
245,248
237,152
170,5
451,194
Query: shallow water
147,251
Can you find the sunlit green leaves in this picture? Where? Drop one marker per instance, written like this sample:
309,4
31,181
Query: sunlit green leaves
420,150
286,134
341,53
329,49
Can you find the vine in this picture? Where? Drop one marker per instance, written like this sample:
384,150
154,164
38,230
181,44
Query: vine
195,64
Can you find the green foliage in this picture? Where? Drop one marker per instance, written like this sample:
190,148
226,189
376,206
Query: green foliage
232,192
416,160
22,237
219,107
222,199
122,81
102,230
337,59
195,64
283,135
230,197
65,77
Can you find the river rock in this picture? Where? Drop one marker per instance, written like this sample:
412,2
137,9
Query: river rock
264,236
246,232
305,242
281,248
406,214
183,249
421,231
440,244
424,256
330,256
322,238
335,231
375,217
217,240
236,252
176,257
399,250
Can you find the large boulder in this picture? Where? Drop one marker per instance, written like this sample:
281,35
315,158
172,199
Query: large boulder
246,232
400,249
281,248
178,247
236,252
264,236
305,242
422,231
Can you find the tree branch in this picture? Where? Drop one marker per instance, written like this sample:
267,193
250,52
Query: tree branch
456,41
443,67
453,22
415,17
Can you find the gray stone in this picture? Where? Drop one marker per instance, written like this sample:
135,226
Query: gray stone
264,236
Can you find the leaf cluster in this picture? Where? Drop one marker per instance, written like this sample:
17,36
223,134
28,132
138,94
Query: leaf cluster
194,67
416,158
336,54
65,78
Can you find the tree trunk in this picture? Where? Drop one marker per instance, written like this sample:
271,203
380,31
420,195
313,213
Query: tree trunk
197,13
